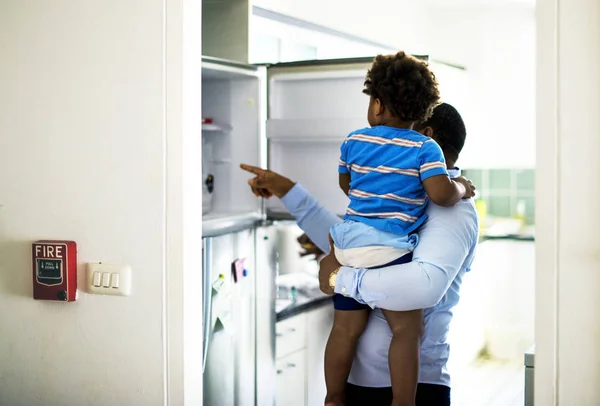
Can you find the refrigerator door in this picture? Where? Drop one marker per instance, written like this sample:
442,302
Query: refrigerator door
219,336
312,106
229,374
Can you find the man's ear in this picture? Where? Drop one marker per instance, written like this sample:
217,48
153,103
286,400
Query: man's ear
427,131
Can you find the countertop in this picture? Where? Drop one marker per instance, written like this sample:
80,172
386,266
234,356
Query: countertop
530,357
303,303
298,293
513,237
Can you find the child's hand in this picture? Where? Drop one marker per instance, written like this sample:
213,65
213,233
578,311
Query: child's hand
309,247
469,187
328,265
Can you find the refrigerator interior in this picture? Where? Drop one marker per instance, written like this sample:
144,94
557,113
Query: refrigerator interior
312,108
231,97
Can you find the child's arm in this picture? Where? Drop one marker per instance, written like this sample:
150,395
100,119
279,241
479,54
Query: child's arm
345,182
344,172
441,190
445,192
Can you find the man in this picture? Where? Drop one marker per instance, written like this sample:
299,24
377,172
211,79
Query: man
431,281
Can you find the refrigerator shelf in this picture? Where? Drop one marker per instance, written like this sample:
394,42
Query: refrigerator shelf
215,128
218,223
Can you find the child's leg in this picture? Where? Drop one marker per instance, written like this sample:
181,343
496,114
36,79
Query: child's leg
348,325
407,329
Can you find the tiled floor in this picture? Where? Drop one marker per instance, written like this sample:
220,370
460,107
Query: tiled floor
489,383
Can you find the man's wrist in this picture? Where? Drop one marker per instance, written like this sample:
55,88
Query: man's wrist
286,186
333,277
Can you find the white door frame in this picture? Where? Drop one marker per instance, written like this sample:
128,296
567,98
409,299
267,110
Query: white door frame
182,321
567,360
546,203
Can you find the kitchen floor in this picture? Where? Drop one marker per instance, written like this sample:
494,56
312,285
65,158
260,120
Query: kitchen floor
489,383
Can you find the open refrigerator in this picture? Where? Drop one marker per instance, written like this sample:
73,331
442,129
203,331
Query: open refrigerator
291,118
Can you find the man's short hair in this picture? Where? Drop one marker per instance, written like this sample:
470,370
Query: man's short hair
448,129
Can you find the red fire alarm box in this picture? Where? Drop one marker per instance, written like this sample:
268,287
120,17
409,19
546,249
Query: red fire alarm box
55,270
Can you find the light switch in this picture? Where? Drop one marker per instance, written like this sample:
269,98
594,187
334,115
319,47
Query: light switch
96,280
105,279
114,280
108,279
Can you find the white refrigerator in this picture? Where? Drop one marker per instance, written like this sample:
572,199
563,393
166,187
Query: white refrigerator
291,118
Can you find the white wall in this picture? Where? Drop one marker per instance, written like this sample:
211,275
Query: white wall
497,47
567,218
83,156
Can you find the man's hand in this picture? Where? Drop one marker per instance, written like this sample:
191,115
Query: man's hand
469,187
267,183
326,267
309,247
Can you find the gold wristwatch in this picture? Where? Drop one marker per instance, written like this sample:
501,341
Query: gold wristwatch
333,277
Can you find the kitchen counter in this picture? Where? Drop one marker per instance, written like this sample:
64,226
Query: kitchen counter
303,303
513,237
298,293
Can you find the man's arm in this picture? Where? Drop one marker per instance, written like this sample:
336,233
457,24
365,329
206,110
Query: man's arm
416,285
445,242
314,219
402,287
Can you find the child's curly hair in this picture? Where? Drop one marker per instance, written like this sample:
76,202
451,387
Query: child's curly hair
405,86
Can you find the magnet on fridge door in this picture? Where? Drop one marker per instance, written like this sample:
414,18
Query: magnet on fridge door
237,269
225,323
218,284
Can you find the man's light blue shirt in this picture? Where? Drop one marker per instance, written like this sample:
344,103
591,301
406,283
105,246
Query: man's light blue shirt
446,249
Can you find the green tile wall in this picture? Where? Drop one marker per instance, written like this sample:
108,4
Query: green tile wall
502,189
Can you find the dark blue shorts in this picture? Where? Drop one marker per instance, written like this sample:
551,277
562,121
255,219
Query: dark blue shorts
341,302
427,395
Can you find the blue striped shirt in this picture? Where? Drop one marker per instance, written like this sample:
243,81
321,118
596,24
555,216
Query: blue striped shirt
387,167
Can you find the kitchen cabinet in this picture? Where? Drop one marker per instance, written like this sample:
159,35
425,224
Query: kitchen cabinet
507,275
291,379
319,323
290,335
497,304
290,347
300,349
226,29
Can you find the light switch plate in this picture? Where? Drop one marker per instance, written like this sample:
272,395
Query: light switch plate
108,279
